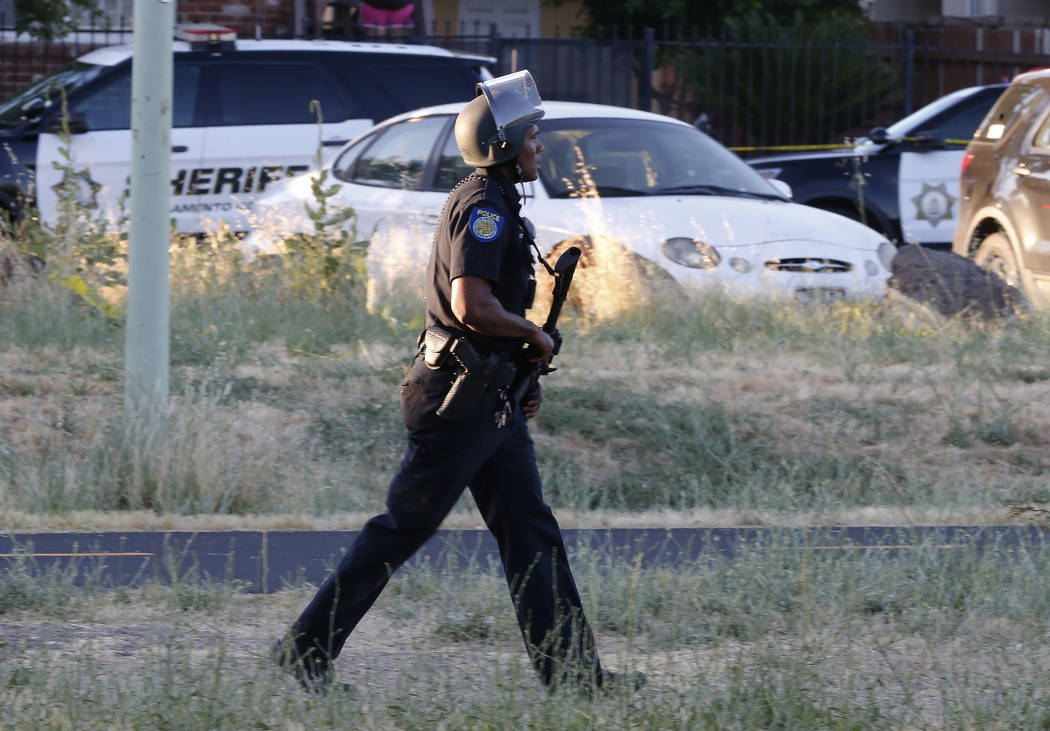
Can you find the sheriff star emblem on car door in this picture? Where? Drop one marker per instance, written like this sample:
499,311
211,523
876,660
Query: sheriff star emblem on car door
933,204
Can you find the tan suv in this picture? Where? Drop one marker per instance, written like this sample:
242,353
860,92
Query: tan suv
1004,213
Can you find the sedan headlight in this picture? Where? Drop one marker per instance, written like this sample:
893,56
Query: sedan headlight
886,253
692,253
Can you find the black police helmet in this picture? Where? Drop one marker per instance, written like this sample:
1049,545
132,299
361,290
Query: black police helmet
511,99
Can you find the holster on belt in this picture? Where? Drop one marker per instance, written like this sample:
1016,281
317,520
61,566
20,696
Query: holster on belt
436,345
475,374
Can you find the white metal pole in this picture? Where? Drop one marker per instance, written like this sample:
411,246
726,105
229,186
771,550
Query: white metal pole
148,316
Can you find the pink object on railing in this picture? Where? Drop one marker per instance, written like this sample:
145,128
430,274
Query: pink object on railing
372,17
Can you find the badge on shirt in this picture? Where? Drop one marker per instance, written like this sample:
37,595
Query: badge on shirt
485,224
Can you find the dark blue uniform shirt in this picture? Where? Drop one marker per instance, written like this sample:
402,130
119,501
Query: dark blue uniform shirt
480,235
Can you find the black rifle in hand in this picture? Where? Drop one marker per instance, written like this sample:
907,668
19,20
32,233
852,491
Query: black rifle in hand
529,373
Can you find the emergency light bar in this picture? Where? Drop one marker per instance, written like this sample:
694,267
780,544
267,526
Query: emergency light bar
206,36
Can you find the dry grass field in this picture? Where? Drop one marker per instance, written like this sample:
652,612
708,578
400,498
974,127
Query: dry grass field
701,411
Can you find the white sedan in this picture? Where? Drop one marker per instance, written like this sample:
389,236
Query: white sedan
611,179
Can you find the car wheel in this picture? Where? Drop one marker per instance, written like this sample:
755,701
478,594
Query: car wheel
609,280
995,255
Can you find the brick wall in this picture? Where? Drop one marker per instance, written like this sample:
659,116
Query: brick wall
274,18
24,63
955,56
963,37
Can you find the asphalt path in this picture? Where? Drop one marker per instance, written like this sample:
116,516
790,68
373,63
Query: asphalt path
268,561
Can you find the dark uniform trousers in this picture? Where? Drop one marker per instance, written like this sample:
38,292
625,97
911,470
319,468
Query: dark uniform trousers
499,466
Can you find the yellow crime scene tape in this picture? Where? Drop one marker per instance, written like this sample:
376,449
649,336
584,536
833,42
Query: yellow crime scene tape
837,146
789,148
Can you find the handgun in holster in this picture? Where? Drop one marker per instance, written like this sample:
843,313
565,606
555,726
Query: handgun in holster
442,347
474,374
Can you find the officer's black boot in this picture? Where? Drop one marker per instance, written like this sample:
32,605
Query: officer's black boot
311,668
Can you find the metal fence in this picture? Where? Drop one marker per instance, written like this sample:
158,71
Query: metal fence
760,94
747,94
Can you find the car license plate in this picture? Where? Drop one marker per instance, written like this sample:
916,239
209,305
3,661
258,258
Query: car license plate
820,294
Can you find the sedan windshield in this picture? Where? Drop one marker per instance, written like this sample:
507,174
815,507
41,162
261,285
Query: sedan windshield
632,157
46,94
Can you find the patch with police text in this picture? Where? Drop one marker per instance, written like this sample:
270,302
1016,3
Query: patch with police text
485,224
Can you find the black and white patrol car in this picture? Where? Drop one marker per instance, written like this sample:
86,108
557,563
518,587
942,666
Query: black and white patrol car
241,118
901,180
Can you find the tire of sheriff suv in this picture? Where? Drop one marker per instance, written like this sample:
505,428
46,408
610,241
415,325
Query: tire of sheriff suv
995,254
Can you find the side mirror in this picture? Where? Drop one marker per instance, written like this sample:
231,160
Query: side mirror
879,135
782,187
77,125
33,110
703,123
929,139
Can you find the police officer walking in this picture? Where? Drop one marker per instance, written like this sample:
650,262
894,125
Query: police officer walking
464,430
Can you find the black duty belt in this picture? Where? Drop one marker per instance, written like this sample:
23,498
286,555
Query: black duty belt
444,348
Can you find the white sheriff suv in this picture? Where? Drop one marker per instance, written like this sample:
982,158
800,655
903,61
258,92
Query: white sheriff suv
242,118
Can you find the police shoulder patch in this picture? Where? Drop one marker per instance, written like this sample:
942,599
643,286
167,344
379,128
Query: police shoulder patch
485,223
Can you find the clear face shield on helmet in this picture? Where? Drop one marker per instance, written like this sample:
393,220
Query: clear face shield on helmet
513,99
